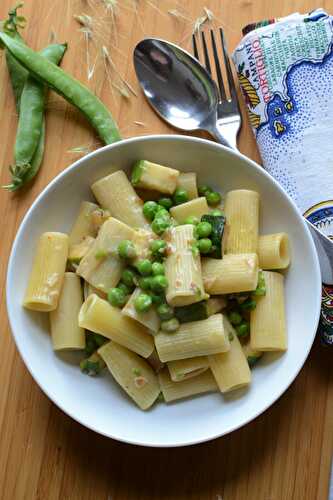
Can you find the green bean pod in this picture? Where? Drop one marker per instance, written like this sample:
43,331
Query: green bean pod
30,137
67,86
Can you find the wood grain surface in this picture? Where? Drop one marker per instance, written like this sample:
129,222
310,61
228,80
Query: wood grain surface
284,454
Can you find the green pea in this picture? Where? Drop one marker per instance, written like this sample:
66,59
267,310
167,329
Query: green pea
158,247
157,299
158,268
235,318
145,283
205,245
90,345
129,277
116,297
195,249
144,267
203,229
126,289
143,303
242,330
216,213
204,190
261,287
192,220
150,209
165,202
248,305
159,283
126,249
213,198
160,224
170,325
165,312
180,196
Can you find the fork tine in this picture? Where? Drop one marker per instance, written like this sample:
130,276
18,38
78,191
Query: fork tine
206,56
231,82
218,67
195,47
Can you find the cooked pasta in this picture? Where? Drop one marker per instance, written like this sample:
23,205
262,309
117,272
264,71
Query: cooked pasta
183,269
188,182
65,330
116,194
197,208
274,251
233,274
184,369
83,225
100,317
47,274
198,338
148,175
132,373
230,369
168,293
101,266
267,322
242,213
172,391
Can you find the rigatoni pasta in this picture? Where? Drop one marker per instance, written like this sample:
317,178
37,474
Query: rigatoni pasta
198,338
100,317
132,373
65,330
188,182
196,208
152,278
184,369
274,251
242,213
268,322
183,268
172,391
234,273
47,274
115,193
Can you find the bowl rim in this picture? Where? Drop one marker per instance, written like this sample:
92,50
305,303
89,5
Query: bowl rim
164,137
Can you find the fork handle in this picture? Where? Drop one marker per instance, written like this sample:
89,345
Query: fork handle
217,134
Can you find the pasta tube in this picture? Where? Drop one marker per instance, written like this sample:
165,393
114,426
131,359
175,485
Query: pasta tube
83,225
148,175
232,274
101,266
65,330
149,319
184,369
197,207
267,320
273,251
116,194
47,272
177,390
188,181
183,269
100,317
230,369
132,373
198,338
242,214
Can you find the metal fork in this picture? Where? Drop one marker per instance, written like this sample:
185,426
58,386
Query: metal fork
228,116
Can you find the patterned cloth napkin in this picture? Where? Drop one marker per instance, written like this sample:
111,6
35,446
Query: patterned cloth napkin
285,70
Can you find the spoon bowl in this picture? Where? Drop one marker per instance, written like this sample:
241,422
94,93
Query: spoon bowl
180,90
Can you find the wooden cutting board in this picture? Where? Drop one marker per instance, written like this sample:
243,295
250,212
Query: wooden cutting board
285,453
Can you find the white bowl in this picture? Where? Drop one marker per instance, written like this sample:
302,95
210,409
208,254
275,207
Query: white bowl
99,403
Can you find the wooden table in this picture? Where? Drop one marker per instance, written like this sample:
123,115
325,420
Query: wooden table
285,453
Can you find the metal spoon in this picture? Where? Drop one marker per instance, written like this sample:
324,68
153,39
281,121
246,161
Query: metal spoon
180,90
